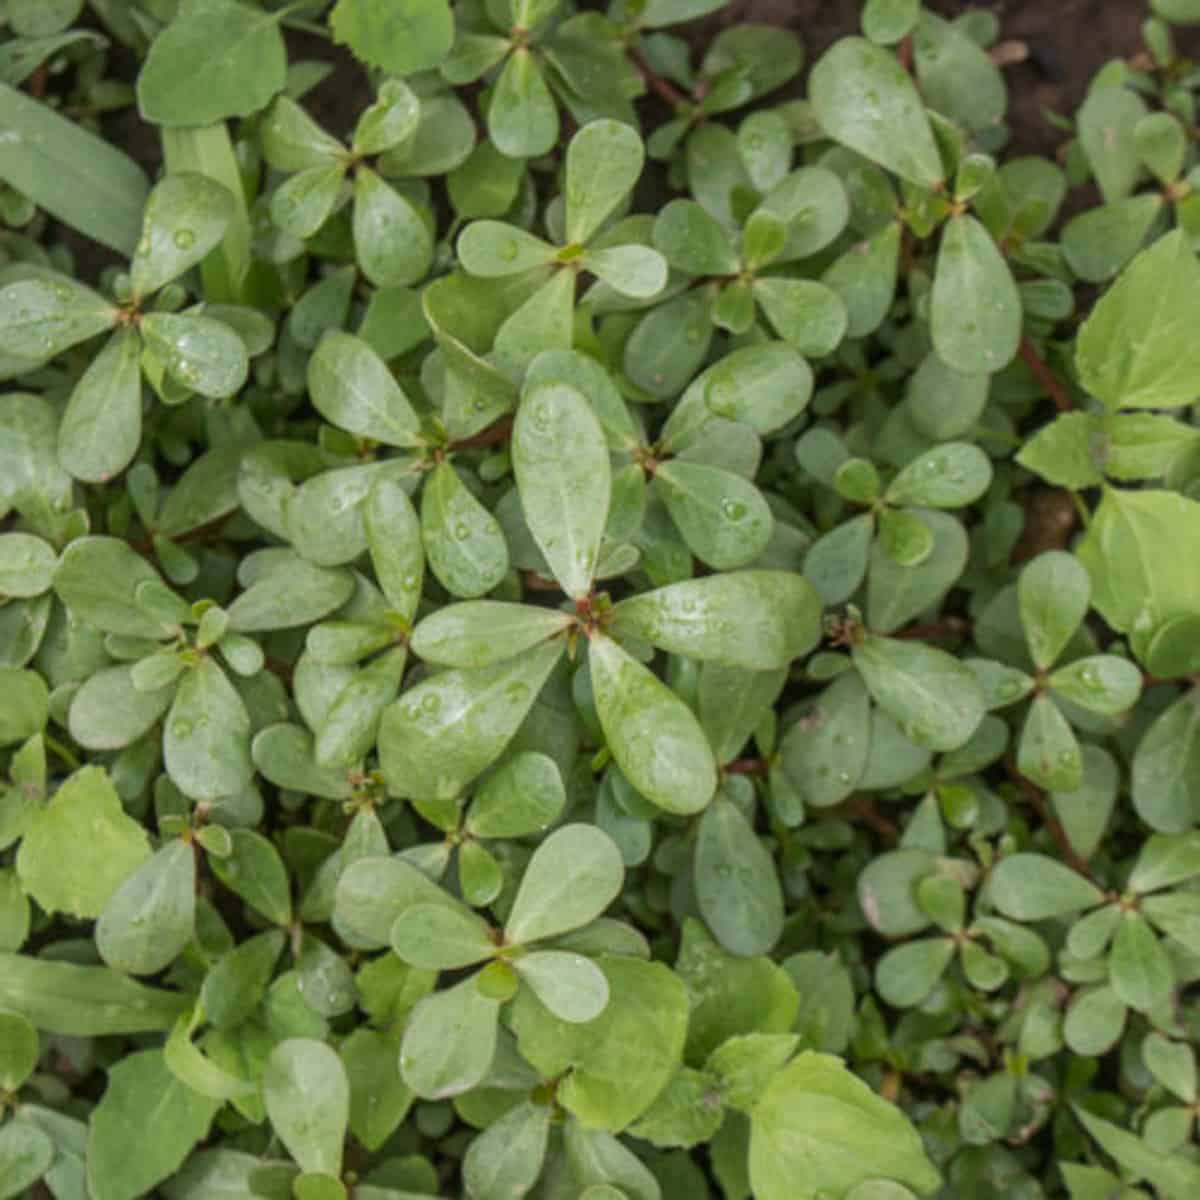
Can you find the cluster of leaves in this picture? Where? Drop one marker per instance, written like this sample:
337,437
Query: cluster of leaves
506,690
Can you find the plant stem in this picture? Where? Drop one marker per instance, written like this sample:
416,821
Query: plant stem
1046,377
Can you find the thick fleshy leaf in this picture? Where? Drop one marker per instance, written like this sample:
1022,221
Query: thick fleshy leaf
635,271
572,987
288,592
352,388
24,705
975,313
186,216
805,313
40,318
906,974
543,322
522,119
723,518
80,847
506,1158
393,244
214,60
463,541
442,937
753,619
444,732
303,203
449,1041
206,742
521,797
1166,768
151,917
603,162
654,737
203,354
898,592
1134,350
394,540
479,633
571,879
952,475
825,752
937,701
693,240
819,1129
1032,887
494,249
1103,683
864,99
1139,968
1053,592
19,1050
102,425
307,1096
1048,753
351,725
737,886
560,459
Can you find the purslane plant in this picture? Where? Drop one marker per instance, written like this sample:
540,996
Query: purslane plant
642,640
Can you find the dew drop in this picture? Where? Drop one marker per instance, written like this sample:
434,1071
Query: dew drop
507,251
184,239
733,510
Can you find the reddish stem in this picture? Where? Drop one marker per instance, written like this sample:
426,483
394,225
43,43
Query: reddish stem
1046,377
666,91
746,766
947,627
1037,801
493,435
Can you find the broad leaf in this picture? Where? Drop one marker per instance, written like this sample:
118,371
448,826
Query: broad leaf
1032,887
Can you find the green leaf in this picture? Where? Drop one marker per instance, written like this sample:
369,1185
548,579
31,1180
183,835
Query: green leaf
206,743
352,388
560,460
737,885
543,322
25,1155
444,732
975,312
1048,753
723,518
98,578
825,752
287,592
906,974
1103,683
81,847
302,204
479,633
1099,242
571,987
102,425
817,1128
1142,551
442,937
864,99
493,249
18,1050
1135,348
506,1158
449,1041
1165,780
1170,1175
693,240
603,162
203,354
24,705
523,796
63,998
1140,971
254,870
379,1099
285,755
307,1096
521,118
936,699
151,917
394,540
634,271
392,242
400,37
1173,1064
216,59
80,178
654,737
186,216
753,619
1032,887
463,541
1107,121
952,475
897,593
1054,593
145,1125
39,319
806,314
1095,1021
620,1060
571,879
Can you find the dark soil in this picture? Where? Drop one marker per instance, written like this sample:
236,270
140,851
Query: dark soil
1066,42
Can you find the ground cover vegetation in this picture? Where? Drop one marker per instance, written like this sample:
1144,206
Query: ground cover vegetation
624,624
